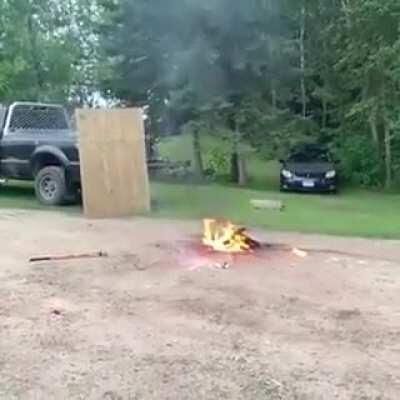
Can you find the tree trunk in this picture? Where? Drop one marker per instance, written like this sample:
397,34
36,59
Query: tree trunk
242,167
324,113
373,123
345,10
273,95
388,157
240,159
198,158
35,53
303,62
239,168
374,128
387,139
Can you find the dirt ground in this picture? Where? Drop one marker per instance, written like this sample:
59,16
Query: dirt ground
158,319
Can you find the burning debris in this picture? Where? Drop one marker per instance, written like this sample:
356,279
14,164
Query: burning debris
225,237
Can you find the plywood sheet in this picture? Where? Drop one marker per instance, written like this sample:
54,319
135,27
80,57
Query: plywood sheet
113,162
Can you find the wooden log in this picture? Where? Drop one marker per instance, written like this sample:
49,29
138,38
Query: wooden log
267,204
253,244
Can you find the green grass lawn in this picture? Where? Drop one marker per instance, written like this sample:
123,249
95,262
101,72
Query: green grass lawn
21,195
352,212
179,148
18,195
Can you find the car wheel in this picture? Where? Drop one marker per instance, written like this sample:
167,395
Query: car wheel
50,186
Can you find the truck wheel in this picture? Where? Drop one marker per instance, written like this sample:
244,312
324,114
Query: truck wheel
50,186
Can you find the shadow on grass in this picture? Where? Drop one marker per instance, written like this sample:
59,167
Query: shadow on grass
21,195
16,192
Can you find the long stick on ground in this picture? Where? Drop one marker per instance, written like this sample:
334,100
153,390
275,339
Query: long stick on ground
99,254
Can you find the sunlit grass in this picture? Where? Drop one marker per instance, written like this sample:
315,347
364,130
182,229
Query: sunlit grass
352,212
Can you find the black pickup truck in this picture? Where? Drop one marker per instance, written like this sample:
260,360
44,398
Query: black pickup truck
37,144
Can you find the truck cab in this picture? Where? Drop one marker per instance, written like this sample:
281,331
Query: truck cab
37,144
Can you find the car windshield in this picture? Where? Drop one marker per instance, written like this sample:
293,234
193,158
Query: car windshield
309,154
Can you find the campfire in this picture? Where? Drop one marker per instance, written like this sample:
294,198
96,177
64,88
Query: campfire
223,236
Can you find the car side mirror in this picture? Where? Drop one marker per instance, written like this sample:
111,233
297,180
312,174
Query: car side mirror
281,161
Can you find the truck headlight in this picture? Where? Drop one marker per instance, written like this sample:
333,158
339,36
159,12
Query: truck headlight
330,174
287,174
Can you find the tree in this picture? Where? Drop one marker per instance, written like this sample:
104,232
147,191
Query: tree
45,48
267,72
209,56
369,61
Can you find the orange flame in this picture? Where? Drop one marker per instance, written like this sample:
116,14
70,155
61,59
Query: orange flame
225,237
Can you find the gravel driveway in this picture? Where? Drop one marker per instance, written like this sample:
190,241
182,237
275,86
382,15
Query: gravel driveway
158,319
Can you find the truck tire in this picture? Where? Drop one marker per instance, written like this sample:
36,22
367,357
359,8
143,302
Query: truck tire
50,186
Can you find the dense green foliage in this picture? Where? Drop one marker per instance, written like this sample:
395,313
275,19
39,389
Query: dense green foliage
265,73
271,73
48,50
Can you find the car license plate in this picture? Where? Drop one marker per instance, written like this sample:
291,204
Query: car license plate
308,183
